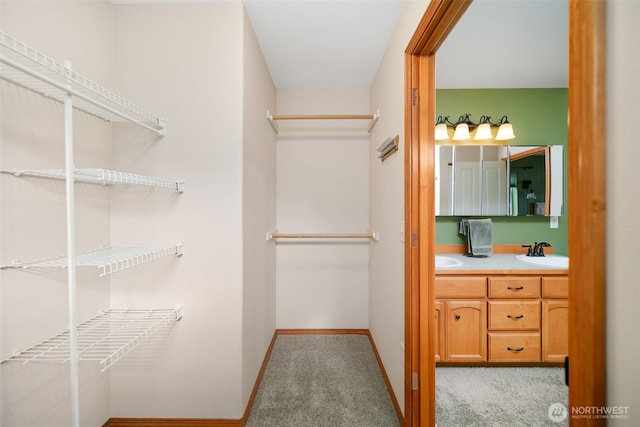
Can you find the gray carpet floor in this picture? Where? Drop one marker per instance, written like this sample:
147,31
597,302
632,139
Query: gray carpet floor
497,397
322,380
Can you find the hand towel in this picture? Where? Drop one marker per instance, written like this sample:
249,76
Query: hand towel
514,201
479,234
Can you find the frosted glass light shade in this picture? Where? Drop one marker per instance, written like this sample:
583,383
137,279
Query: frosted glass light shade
505,131
483,132
442,132
462,132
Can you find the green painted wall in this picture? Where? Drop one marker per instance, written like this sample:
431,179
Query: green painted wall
539,117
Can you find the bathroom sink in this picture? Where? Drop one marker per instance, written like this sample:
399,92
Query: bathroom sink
547,260
445,261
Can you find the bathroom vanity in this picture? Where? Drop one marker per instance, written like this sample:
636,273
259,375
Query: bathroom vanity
501,310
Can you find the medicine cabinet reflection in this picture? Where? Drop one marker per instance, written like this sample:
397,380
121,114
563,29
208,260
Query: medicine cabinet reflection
499,180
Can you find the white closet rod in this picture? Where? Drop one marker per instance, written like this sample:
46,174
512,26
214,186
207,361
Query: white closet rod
272,236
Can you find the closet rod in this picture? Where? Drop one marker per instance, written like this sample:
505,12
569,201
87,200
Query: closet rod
271,236
324,117
273,117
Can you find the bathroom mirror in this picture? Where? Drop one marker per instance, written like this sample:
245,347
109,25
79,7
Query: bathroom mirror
499,180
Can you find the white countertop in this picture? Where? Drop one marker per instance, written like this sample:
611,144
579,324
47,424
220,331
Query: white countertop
495,262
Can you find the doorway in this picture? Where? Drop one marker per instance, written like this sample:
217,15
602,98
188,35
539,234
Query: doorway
586,149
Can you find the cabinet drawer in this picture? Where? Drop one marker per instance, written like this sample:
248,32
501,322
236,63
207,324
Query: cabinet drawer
461,287
555,287
514,315
514,287
516,347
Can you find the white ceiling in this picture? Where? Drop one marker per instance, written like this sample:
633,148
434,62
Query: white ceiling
323,45
507,44
338,44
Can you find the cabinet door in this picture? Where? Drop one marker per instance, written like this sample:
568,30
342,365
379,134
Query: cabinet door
466,331
555,330
440,331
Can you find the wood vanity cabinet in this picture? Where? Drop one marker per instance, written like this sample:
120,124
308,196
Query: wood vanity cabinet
555,318
514,318
462,318
501,318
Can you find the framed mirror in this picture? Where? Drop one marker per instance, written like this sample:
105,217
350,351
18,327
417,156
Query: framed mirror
499,180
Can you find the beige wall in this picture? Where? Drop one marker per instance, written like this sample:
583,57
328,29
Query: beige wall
386,203
185,61
322,187
623,231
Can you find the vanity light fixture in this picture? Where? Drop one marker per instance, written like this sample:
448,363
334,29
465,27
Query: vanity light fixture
464,126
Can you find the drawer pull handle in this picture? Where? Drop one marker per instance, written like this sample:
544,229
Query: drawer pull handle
458,317
519,316
519,288
517,350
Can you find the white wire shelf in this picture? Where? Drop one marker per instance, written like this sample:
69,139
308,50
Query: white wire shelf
106,338
108,259
33,70
103,177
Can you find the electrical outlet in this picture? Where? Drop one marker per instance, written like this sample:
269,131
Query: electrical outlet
553,222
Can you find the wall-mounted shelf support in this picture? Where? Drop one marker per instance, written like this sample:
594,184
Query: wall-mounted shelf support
106,337
372,117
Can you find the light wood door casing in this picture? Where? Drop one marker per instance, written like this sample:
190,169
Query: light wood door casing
586,213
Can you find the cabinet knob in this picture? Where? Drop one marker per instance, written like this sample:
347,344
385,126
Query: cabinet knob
517,350
458,317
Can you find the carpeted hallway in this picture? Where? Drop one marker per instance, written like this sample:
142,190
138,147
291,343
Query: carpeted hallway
322,380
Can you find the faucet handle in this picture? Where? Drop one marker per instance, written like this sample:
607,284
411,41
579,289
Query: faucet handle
529,250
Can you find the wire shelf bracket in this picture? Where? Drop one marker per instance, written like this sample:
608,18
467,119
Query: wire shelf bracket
102,177
106,337
108,260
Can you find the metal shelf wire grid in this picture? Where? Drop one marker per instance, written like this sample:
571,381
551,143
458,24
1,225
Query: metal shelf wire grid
106,338
108,259
28,68
102,176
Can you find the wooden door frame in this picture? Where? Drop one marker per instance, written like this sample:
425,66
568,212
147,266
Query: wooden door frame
586,213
